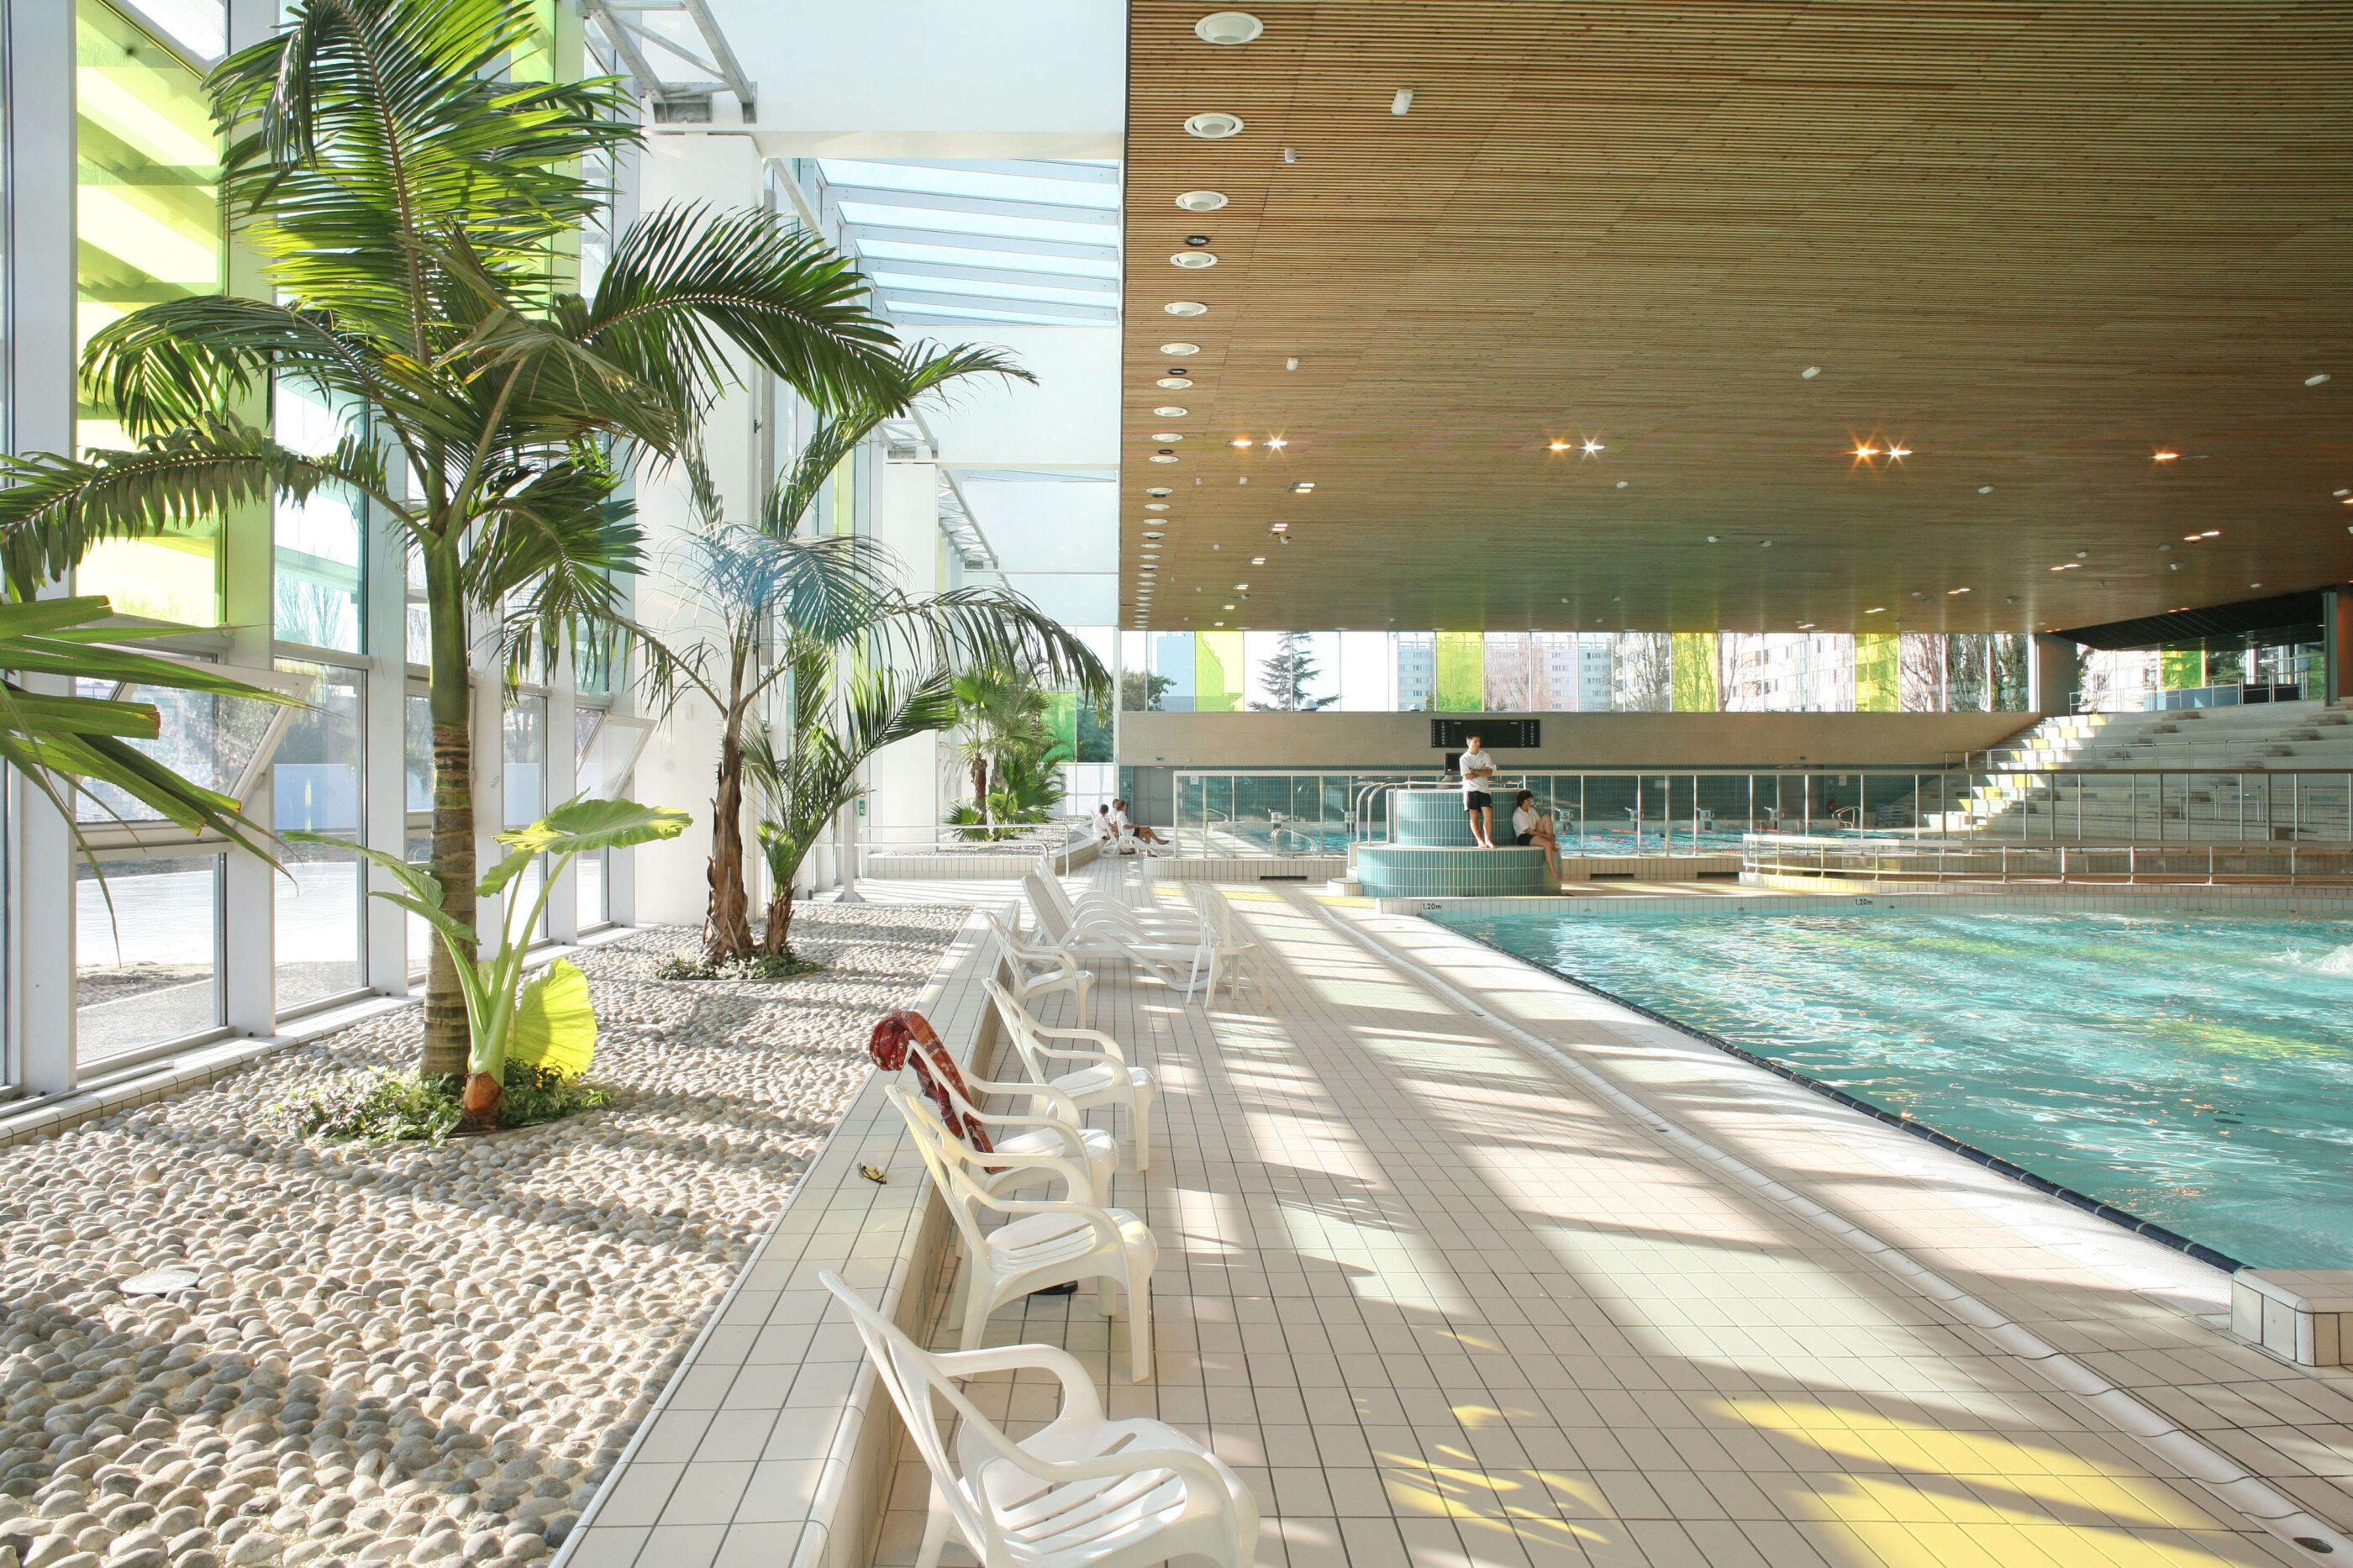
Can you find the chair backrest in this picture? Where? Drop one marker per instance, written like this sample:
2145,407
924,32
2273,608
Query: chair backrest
912,1377
1021,1026
948,1159
1046,893
1216,912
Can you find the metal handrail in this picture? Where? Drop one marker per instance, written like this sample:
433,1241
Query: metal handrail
1977,860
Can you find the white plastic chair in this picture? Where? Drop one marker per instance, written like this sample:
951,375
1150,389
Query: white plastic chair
1163,924
1080,1492
1056,1145
1038,970
1175,959
1105,1079
1043,1244
1230,950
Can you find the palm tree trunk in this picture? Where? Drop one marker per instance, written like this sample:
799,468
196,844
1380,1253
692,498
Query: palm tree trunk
778,937
448,1039
727,932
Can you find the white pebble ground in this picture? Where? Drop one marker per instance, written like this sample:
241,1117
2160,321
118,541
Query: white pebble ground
402,1354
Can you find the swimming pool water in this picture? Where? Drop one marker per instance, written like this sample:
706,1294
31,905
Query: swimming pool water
2191,1069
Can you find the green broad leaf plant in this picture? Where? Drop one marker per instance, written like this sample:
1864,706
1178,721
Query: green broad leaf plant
549,1023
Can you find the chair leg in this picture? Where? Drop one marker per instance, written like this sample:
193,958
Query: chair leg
977,1306
936,1534
1106,1299
1139,1112
1139,1326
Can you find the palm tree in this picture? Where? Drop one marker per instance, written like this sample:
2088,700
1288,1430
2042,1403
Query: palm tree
407,202
1001,711
790,606
837,725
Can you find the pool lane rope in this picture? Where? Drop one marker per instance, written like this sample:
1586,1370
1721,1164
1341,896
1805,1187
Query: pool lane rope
2247,1495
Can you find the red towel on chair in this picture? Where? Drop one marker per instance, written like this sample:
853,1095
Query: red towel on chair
934,1069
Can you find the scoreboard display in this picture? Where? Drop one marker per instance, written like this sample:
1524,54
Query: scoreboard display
1495,734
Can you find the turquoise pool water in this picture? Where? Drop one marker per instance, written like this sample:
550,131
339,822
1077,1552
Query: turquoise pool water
2195,1070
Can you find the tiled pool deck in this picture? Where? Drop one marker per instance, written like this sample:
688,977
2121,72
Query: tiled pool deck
1460,1266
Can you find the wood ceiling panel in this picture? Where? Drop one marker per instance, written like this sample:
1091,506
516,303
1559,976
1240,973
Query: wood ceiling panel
2036,244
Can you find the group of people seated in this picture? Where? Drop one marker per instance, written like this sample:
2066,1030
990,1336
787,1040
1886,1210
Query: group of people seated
1121,836
1530,825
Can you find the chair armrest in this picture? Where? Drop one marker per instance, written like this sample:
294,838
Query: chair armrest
1074,1146
1066,1109
1106,1047
1079,1395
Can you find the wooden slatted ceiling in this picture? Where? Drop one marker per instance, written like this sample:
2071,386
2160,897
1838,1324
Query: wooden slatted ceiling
2035,243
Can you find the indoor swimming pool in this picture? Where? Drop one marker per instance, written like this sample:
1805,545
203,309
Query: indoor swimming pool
2191,1069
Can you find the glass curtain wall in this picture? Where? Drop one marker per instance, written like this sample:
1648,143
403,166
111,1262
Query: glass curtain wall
319,786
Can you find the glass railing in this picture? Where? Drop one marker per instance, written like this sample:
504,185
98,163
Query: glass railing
1695,812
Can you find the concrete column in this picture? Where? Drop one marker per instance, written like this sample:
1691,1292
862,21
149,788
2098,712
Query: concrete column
2054,671
905,778
2336,643
383,720
490,779
561,772
40,410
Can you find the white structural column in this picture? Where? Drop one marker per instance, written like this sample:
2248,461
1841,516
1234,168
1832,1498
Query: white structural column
39,344
560,773
489,777
384,798
905,778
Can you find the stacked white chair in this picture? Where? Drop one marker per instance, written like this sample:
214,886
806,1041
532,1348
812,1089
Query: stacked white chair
1102,1076
1035,969
1041,1245
1096,935
1080,1492
1230,950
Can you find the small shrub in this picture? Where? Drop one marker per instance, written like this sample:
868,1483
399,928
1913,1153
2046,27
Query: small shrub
757,966
408,1107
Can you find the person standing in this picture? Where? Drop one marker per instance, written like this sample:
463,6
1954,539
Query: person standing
1477,768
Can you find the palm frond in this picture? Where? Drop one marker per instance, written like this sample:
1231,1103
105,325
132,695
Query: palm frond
53,509
684,284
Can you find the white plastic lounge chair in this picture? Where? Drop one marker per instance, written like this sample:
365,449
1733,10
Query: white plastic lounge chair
1093,1074
1041,1245
1037,970
1094,938
1080,1492
1162,924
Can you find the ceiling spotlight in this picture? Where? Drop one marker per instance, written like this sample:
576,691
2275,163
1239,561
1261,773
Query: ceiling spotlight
1950,592
2012,599
1179,350
1919,596
1985,489
1290,154
1155,533
1557,447
2163,456
1186,308
1811,372
2315,380
1193,259
1226,606
1277,442
1291,364
1622,483
1285,527
1171,411
1214,126
1228,28
1402,101
1239,441
2064,566
1303,487
2082,555
1160,490
1805,625
1258,559
1201,200
2341,492
2193,538
1162,458
1592,447
1899,451
1711,539
1241,587
1866,451
1174,383
2211,534
1876,610
1167,435
2255,585
1764,544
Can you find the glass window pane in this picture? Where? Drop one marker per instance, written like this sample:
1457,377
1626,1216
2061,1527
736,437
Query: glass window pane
148,220
319,557
147,970
417,760
317,788
526,791
211,740
419,851
588,890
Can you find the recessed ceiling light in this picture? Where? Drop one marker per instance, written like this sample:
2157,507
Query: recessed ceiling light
2315,380
1214,126
1221,623
1592,447
1168,436
1171,411
1160,490
2064,566
1402,102
1805,625
1224,607
2193,538
1764,544
1712,538
1228,28
1985,489
1258,559
1156,505
1303,487
1811,372
1201,200
1555,445
1241,587
1284,527
1950,592
1239,441
1174,383
1899,451
2255,585
2082,555
2210,533
1155,533
1622,483
1876,610
1194,260
1186,308
1162,458
1178,351
1866,451
1277,442
2163,456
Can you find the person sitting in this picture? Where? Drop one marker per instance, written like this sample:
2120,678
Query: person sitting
1144,832
1530,825
1107,830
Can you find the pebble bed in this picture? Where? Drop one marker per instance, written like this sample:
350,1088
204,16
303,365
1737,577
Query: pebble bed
402,1352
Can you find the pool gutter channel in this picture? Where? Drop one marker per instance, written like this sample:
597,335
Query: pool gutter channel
1970,1152
2249,1495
